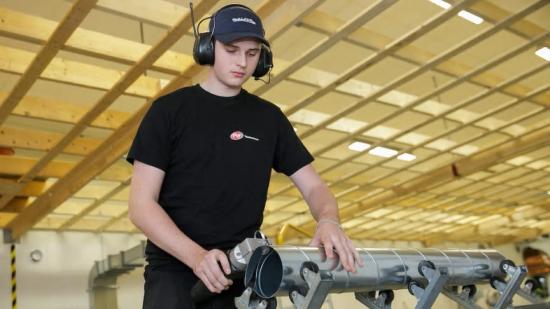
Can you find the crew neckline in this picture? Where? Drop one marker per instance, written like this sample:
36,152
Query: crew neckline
219,97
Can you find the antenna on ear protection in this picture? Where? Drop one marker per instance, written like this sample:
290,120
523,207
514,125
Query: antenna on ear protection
193,18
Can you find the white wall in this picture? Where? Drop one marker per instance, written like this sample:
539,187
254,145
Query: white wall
60,280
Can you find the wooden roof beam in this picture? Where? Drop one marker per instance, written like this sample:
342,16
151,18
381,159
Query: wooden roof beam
78,73
68,25
409,149
95,205
460,168
17,166
116,145
432,94
116,90
387,51
35,29
156,12
414,73
436,203
366,38
66,112
44,141
352,25
288,15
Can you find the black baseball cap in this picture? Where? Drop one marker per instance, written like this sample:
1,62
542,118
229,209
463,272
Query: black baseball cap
235,22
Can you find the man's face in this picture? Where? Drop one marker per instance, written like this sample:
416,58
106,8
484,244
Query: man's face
236,61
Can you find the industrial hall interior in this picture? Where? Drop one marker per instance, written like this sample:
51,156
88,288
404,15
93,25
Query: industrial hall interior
427,120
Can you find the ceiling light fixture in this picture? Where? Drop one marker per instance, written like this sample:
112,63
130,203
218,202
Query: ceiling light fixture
470,17
406,157
544,53
383,152
359,146
441,3
464,14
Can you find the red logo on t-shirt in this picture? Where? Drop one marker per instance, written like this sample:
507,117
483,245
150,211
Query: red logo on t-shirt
237,135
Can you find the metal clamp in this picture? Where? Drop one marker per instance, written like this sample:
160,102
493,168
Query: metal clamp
248,300
527,292
318,283
464,298
369,299
436,280
508,289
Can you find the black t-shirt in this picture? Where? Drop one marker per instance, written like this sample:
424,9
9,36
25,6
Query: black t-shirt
217,154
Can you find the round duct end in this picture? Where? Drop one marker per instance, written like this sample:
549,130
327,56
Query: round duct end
264,272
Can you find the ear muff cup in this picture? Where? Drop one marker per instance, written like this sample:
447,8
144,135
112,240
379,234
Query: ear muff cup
203,49
265,62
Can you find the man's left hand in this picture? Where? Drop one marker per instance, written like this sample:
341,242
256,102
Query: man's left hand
332,238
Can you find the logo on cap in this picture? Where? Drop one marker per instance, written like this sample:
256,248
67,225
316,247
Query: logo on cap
243,19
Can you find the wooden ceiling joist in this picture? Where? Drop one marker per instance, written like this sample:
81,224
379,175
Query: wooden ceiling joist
453,83
77,73
293,14
95,205
155,12
429,65
264,10
65,112
369,61
14,166
369,39
114,147
445,106
456,107
410,149
116,90
43,141
460,168
34,29
456,209
362,18
65,29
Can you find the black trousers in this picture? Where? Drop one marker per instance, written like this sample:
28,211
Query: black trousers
169,289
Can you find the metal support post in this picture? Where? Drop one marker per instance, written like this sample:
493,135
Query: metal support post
248,300
508,289
464,298
369,299
319,283
436,280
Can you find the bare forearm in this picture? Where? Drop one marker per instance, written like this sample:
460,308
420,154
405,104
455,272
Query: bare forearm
322,203
153,221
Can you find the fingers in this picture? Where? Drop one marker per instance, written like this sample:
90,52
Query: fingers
329,249
315,242
346,256
356,255
214,281
210,271
331,239
222,258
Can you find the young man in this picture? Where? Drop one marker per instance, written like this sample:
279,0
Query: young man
202,162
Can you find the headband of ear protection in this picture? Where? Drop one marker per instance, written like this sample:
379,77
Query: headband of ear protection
203,48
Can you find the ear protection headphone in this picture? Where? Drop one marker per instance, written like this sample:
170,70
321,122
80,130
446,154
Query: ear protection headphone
203,48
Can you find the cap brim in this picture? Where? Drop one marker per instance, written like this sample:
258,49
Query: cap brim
227,38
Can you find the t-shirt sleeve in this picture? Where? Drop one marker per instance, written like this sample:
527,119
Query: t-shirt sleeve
152,142
290,153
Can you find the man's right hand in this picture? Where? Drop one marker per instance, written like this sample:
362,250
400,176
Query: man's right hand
210,267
